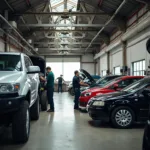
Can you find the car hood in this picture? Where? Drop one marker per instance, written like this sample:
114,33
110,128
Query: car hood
87,75
96,90
111,96
9,76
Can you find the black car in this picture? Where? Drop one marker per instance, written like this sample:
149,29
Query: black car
38,61
146,138
102,81
122,108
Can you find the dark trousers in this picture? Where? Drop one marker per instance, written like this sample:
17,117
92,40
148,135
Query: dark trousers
50,93
59,88
76,98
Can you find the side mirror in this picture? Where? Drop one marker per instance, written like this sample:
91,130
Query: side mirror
146,92
33,69
116,86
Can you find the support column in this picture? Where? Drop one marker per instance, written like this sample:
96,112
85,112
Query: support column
99,67
6,38
124,57
108,62
80,62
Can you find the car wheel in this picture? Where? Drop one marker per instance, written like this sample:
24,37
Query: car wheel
35,110
72,91
122,117
21,124
44,101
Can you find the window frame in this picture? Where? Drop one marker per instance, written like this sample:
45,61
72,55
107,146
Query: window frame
114,70
138,67
103,73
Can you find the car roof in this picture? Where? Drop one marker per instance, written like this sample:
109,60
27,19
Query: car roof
10,53
130,77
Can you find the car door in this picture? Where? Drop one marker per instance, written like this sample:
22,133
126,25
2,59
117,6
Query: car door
143,104
31,79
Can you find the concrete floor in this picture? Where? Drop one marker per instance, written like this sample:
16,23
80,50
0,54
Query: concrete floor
67,129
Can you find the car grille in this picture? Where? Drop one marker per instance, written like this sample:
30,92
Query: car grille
10,95
83,104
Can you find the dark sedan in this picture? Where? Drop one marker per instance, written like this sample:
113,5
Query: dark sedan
146,138
122,108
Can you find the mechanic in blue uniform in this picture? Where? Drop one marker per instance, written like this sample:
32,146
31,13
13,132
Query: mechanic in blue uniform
76,85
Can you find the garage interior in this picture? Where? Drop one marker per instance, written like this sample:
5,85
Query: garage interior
99,36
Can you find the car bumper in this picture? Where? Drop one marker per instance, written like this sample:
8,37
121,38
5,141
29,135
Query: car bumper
98,114
83,101
82,108
10,104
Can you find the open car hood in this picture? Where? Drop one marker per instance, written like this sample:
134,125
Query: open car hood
38,61
87,75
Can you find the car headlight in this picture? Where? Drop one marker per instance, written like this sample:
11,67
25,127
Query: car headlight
98,103
91,100
9,88
87,94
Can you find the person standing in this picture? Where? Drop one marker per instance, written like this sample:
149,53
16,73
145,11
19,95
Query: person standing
76,85
60,83
50,88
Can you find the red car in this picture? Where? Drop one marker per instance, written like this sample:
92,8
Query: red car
113,86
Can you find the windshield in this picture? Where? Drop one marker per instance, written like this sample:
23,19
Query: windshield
111,82
102,80
137,85
105,80
10,63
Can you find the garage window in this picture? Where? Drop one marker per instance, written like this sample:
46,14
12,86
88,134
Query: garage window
138,68
65,68
104,72
117,70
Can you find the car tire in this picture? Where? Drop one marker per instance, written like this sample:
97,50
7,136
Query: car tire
122,117
21,124
44,101
72,92
35,110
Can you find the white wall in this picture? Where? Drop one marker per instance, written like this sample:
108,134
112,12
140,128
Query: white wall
116,56
88,64
136,48
103,63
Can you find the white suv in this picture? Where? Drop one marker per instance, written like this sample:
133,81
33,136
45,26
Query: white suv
19,98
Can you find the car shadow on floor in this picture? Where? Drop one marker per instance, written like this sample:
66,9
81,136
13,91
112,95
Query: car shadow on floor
100,124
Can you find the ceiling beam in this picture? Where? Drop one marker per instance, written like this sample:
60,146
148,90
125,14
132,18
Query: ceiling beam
55,30
63,49
67,43
57,54
65,25
63,13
